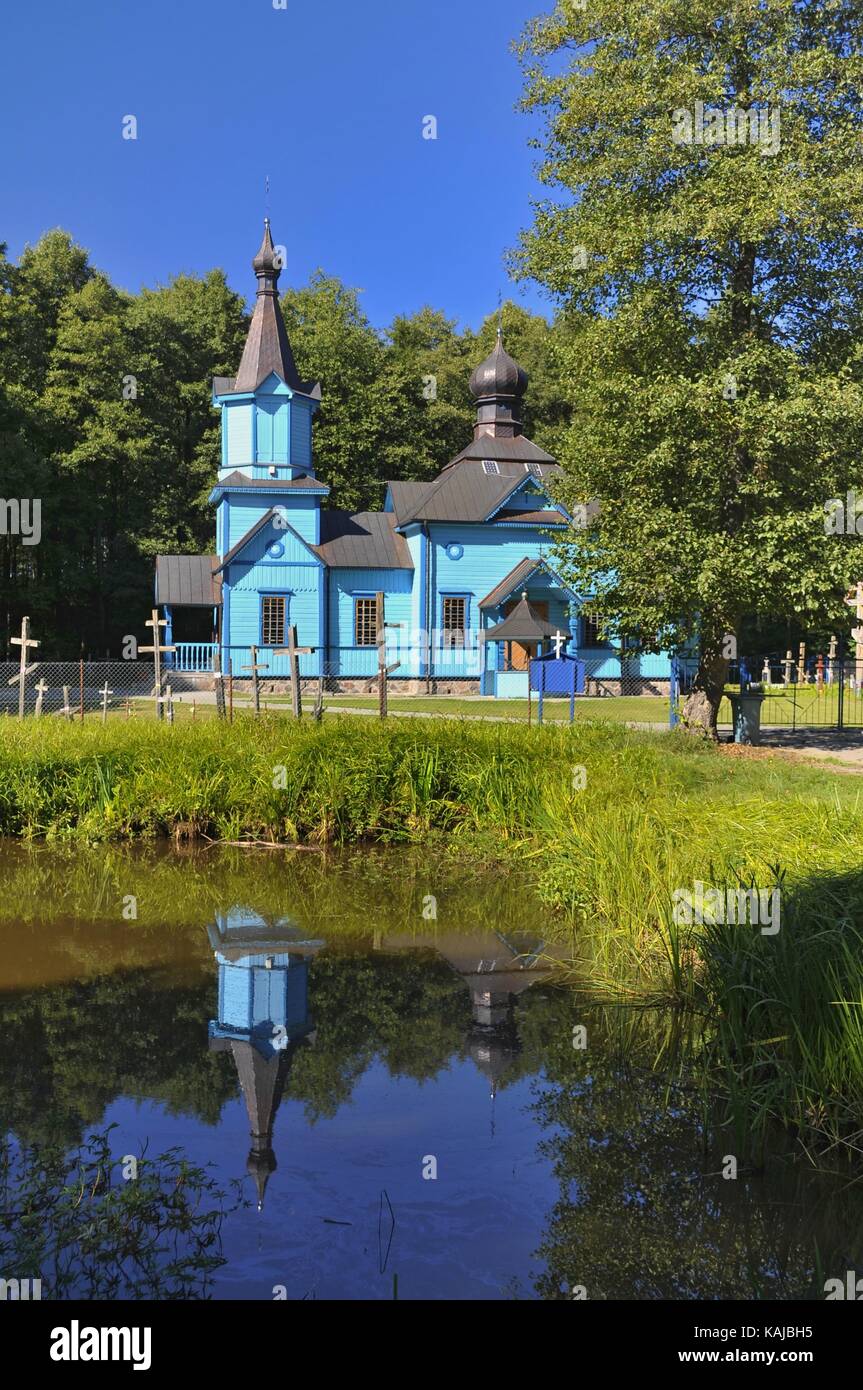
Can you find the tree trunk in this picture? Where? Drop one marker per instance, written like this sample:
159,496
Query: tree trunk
701,705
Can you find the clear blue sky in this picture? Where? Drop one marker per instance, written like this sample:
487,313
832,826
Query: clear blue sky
327,97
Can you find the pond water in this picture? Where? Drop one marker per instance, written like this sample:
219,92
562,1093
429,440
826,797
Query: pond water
378,1047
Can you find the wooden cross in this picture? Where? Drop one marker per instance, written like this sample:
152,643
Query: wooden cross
155,622
788,663
24,642
256,687
66,711
105,692
559,640
40,687
293,653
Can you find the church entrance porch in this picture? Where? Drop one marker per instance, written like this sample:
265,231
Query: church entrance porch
517,655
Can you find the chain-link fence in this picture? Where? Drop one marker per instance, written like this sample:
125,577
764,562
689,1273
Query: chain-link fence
73,689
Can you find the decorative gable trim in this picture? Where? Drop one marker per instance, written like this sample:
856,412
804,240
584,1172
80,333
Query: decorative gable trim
518,576
283,528
519,484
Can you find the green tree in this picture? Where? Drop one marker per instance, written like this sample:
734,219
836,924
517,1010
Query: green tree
712,298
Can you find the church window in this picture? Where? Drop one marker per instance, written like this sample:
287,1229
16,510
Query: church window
454,621
273,620
490,466
592,637
365,622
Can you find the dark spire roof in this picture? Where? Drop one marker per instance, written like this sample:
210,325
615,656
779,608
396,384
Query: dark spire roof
261,1080
498,375
267,348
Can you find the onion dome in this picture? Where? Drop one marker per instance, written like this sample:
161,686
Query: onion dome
498,375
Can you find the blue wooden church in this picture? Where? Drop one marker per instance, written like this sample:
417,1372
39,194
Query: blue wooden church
463,560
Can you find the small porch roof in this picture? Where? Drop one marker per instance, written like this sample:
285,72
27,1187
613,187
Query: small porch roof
522,625
188,581
517,578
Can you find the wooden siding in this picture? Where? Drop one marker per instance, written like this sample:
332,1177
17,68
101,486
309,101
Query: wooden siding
273,426
237,423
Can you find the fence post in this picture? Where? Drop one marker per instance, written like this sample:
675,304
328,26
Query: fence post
673,691
81,686
382,654
840,707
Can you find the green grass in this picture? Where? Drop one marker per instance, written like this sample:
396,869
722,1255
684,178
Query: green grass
782,1016
625,708
647,709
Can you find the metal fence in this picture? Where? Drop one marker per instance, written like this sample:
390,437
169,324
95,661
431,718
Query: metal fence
70,688
815,693
821,697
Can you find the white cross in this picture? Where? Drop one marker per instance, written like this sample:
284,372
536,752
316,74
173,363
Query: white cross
105,692
559,640
40,687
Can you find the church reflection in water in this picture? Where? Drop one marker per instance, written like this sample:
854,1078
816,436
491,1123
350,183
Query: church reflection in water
263,1017
263,1005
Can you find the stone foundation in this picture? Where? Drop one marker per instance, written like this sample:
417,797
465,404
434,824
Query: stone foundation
633,685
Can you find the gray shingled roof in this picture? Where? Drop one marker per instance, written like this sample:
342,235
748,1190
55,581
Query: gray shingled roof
188,581
463,491
546,518
238,479
407,499
362,540
509,448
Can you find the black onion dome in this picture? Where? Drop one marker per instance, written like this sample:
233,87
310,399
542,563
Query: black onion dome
498,375
265,261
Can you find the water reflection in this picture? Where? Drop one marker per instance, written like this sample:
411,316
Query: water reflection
319,1014
263,1017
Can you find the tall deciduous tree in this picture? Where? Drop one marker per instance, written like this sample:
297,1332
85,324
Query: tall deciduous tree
703,234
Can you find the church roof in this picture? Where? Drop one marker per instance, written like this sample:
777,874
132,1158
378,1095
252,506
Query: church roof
465,490
305,481
362,540
189,581
506,449
528,518
267,347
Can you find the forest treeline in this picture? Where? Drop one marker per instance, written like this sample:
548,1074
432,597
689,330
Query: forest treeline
106,417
